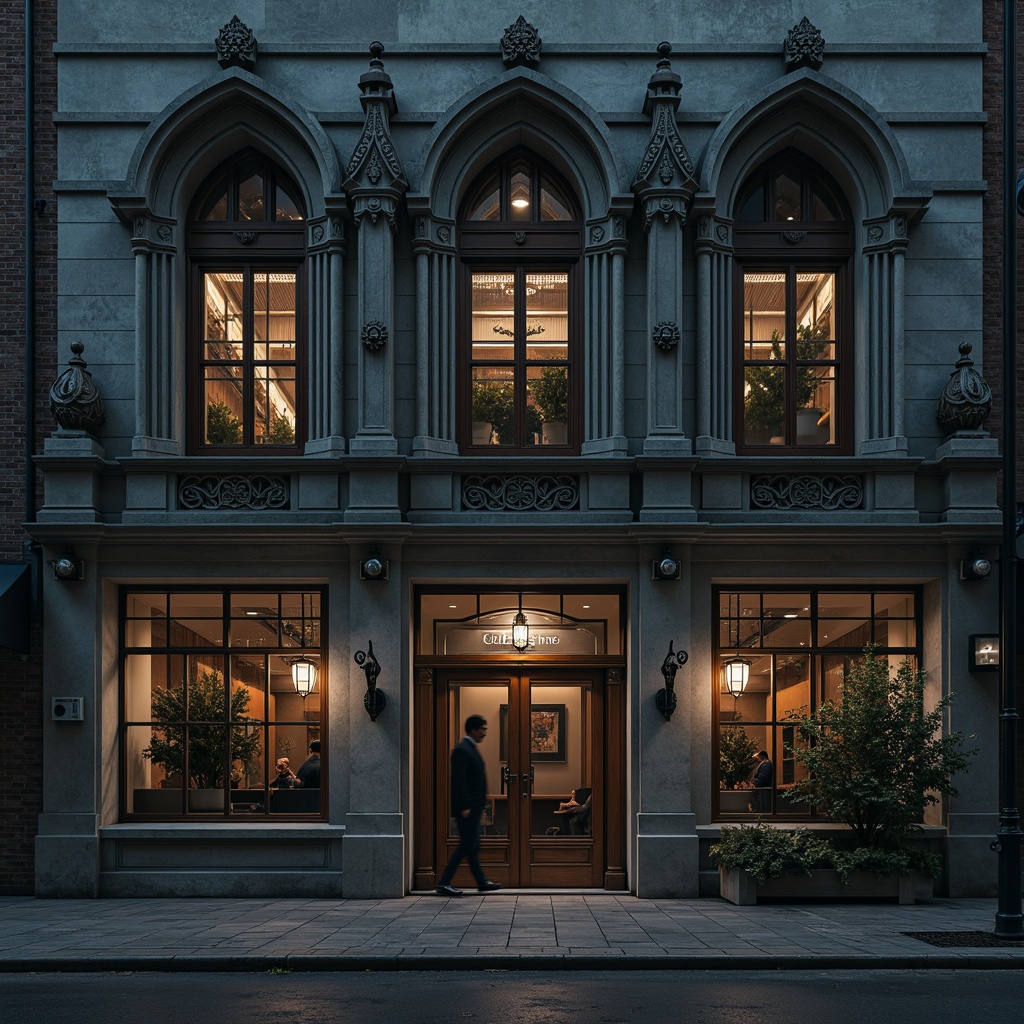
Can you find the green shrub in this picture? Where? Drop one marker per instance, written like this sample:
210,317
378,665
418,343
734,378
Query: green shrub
766,852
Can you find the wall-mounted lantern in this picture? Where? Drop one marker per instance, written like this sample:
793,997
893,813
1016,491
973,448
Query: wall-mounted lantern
665,698
977,567
304,676
68,567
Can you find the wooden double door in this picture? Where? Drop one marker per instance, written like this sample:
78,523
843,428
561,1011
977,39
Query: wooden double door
552,734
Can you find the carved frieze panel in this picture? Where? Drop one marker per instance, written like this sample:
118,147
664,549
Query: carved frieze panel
520,493
824,493
233,491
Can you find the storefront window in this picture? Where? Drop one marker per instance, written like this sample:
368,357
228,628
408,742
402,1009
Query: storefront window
215,723
778,655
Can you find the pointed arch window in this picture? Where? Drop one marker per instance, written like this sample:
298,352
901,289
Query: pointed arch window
792,324
246,251
519,364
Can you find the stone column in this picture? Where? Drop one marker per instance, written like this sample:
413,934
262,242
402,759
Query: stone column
665,184
375,185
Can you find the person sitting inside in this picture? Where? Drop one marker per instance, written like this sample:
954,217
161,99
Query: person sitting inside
577,814
286,778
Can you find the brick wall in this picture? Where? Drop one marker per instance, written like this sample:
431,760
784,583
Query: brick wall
21,676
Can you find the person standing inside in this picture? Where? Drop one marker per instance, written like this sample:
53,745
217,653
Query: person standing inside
469,797
309,771
763,774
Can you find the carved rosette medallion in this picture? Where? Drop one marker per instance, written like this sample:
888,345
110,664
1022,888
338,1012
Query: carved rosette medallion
966,399
666,335
74,399
804,47
211,493
236,45
246,237
520,44
520,493
375,335
827,493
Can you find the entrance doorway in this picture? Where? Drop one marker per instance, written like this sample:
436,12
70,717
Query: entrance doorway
553,758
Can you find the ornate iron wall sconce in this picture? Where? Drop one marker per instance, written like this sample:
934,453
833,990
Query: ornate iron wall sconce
665,698
374,700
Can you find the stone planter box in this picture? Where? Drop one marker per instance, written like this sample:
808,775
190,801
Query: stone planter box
740,888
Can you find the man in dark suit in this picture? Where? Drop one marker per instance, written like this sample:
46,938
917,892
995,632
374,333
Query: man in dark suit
469,796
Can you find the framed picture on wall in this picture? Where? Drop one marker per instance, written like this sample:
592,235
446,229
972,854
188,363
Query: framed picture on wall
547,732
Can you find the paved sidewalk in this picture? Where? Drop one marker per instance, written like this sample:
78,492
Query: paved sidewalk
503,930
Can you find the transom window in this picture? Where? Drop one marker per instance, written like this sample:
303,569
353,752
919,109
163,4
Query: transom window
520,242
220,687
793,244
778,655
246,248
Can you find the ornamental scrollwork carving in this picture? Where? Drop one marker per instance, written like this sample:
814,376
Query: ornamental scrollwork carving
804,47
74,398
966,399
521,493
794,237
520,44
828,493
213,493
665,335
375,334
236,45
246,237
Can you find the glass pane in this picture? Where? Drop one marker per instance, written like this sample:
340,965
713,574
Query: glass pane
493,413
224,411
560,726
143,674
752,209
764,405
815,301
824,204
216,206
274,405
787,620
486,203
286,207
146,606
149,787
520,196
250,195
547,316
737,760
834,668
493,316
787,194
547,409
753,700
553,204
223,293
764,316
789,771
844,620
274,315
792,685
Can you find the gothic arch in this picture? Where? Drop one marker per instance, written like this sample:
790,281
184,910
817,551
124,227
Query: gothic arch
217,117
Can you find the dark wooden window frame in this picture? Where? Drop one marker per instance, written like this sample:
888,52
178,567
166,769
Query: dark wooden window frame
520,247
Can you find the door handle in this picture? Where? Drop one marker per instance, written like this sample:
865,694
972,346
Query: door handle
507,778
528,782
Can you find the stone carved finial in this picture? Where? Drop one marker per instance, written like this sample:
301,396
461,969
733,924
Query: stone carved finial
375,166
74,399
966,399
520,44
804,47
236,45
665,178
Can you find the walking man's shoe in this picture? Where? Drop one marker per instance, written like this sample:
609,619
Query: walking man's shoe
448,890
489,887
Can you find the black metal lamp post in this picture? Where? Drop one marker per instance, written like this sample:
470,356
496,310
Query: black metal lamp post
1009,919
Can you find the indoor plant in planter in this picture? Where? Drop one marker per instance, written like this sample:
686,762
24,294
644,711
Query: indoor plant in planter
206,695
875,760
551,396
493,413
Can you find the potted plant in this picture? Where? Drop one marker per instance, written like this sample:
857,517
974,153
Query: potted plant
205,704
280,431
550,393
493,411
874,760
222,425
735,753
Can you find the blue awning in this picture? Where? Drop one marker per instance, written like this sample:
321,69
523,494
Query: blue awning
15,606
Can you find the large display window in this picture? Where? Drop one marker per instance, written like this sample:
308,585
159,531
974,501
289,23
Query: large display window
222,702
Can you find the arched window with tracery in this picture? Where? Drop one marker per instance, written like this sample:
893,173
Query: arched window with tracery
520,368
792,324
246,312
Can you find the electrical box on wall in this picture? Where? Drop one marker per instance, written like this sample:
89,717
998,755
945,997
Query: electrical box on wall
68,709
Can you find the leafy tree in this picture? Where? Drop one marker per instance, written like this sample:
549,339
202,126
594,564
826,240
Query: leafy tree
875,758
222,425
280,431
201,703
735,752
